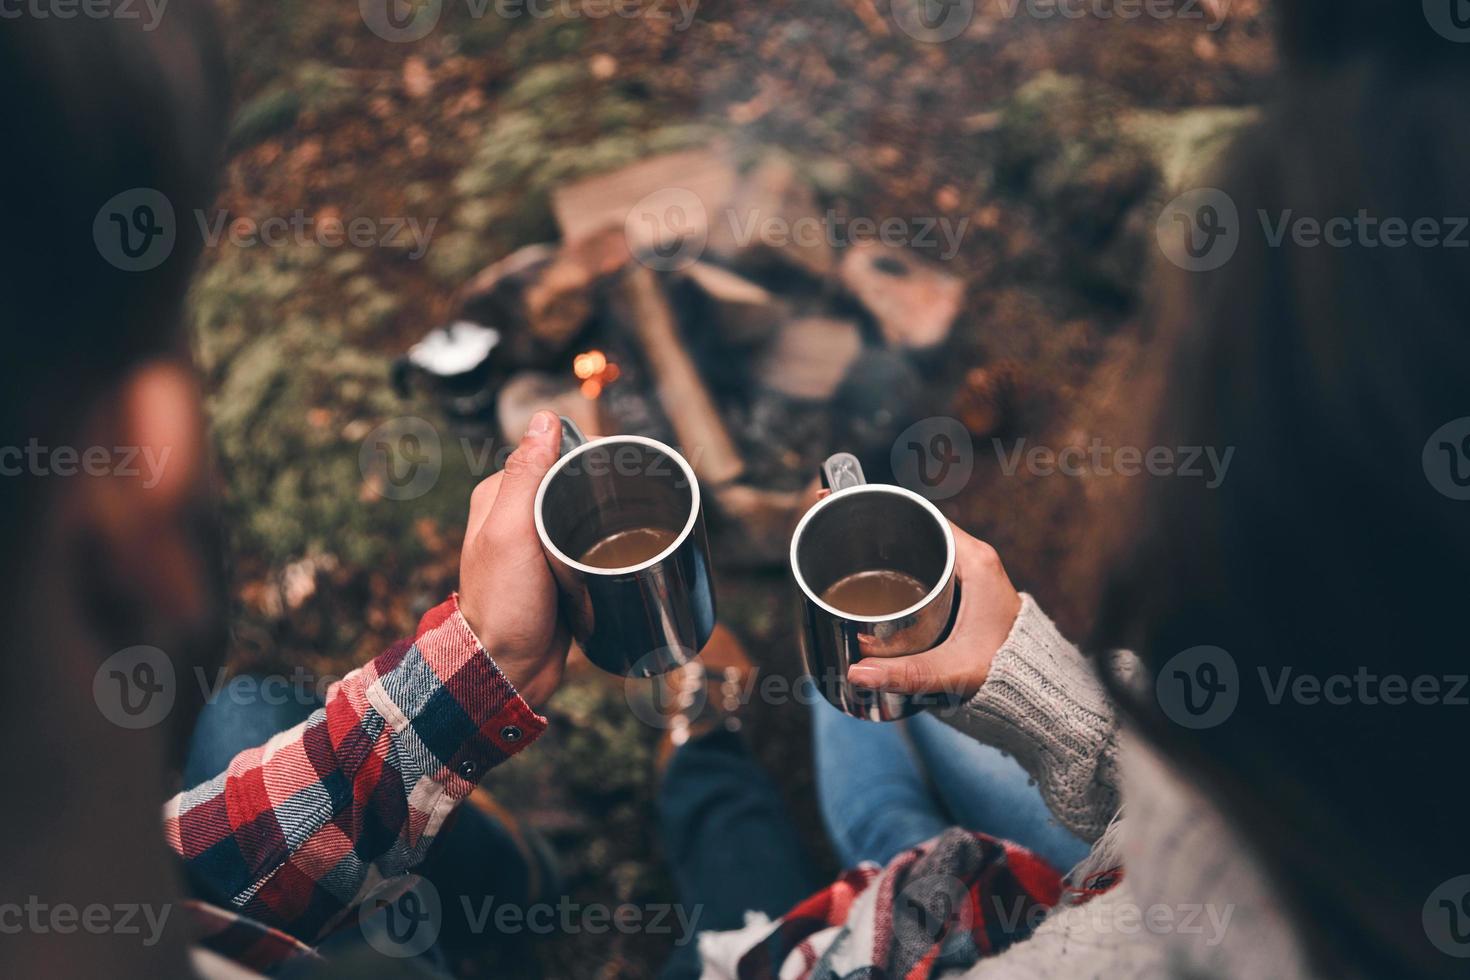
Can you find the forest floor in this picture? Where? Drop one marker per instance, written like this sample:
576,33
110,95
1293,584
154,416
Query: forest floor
1050,134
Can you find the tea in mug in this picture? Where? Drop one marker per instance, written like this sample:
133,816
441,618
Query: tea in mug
879,592
627,548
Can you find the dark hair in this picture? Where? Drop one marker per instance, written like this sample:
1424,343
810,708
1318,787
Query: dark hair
1326,548
93,107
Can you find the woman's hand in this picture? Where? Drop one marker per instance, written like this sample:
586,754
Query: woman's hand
989,605
507,593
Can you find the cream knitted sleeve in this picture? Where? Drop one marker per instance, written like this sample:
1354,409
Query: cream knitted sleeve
1043,703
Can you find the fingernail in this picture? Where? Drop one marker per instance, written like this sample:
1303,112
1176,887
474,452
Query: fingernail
540,424
865,675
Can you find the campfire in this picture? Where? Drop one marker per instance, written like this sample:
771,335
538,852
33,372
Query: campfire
671,308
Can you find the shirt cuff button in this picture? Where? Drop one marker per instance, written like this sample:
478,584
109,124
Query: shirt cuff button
511,733
468,770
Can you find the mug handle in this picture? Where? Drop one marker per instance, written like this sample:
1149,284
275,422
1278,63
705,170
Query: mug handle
841,471
571,436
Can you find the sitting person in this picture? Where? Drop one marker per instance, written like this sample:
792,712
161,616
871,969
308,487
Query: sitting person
1266,785
285,840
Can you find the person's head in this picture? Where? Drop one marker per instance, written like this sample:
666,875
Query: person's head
1328,551
102,458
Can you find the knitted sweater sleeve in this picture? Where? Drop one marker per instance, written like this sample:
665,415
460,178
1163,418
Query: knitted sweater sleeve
1043,703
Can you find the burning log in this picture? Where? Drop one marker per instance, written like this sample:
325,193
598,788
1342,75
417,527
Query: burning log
541,297
685,399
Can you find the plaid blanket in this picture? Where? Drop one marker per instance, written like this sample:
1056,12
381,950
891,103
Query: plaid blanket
938,907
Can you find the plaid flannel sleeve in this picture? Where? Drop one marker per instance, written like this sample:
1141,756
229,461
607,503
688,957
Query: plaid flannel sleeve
298,832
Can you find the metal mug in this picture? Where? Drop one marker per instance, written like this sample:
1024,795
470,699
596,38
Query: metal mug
648,618
862,527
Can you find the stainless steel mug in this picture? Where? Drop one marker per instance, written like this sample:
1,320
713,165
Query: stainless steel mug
862,527
647,618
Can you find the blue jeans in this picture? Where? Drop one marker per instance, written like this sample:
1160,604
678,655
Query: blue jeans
729,840
884,787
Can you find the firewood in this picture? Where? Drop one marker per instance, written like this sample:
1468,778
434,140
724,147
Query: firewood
809,358
744,313
540,297
703,177
681,391
773,219
914,303
529,391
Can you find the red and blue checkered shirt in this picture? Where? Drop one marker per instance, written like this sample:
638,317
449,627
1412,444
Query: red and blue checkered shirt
295,834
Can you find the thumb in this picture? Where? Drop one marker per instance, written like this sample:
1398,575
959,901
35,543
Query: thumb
524,469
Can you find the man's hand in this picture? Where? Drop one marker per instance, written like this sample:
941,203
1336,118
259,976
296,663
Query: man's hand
989,605
507,593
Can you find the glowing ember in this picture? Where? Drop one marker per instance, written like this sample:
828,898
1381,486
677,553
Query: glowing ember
595,371
589,365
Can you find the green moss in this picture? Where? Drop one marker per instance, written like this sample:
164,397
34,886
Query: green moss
1188,144
313,87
